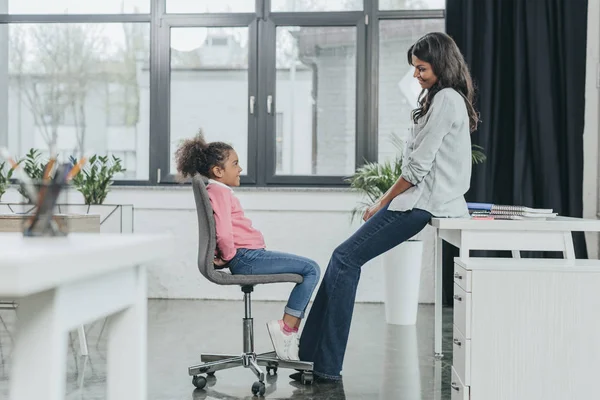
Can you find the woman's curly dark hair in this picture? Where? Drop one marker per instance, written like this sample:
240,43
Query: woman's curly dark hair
196,155
448,64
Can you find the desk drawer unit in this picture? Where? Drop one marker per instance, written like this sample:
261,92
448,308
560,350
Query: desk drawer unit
462,278
461,356
459,390
462,311
525,329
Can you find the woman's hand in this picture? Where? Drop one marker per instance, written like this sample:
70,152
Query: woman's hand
372,210
219,262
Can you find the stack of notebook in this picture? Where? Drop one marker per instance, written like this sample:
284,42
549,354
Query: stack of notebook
495,211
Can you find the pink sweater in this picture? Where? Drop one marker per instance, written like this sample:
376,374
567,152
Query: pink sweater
234,230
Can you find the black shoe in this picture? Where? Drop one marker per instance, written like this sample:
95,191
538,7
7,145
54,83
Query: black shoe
297,376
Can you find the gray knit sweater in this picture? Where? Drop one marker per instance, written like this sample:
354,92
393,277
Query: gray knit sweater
437,159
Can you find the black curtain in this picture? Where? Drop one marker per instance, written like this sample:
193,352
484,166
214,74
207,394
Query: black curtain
527,59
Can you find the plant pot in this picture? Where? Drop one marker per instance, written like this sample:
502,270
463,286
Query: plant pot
402,270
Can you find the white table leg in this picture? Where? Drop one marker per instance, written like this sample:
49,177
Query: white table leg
516,253
127,344
82,341
438,296
40,352
569,252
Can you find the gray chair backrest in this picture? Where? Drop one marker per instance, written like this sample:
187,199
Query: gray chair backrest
207,238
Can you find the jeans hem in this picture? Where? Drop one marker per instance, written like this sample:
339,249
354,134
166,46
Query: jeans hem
330,377
294,313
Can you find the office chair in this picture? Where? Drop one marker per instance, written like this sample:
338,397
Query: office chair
248,358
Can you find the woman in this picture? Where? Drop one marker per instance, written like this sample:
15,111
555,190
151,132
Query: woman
436,173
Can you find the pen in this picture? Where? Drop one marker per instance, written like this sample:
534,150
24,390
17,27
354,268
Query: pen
76,168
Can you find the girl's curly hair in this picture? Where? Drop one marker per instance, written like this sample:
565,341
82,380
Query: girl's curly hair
196,155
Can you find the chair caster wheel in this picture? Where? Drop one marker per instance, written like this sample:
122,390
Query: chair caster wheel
199,381
307,378
274,369
211,373
258,388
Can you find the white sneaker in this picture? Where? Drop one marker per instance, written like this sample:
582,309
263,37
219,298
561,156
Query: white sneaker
286,346
293,351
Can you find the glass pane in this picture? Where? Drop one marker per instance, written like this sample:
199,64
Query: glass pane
77,6
209,87
412,4
316,101
210,6
85,84
316,5
398,90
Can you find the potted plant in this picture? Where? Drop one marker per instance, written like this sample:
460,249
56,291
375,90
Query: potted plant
95,179
402,264
34,168
5,177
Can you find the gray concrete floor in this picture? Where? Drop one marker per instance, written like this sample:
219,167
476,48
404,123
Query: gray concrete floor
382,361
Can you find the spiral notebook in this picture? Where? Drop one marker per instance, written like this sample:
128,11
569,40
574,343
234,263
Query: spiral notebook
509,210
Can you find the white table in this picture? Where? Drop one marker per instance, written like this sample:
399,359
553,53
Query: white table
89,223
63,283
553,234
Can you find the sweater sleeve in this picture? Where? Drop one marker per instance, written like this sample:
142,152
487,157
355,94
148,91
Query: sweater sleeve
220,199
429,139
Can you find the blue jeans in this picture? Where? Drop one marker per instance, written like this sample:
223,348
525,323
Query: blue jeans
263,262
327,326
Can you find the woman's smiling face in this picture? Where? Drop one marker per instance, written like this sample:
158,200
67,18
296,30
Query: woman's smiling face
423,73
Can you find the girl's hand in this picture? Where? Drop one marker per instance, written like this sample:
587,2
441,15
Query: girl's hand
219,262
372,210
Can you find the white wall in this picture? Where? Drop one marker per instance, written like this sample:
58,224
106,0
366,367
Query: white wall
309,222
592,129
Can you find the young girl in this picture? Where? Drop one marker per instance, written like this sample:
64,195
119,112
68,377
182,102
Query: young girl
241,247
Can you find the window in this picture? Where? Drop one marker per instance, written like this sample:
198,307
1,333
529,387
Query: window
209,87
77,6
316,5
316,88
210,6
87,85
128,161
412,4
288,83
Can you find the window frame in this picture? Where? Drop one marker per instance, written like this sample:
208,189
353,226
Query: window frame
262,24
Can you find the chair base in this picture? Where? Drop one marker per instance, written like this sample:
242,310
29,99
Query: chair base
212,363
217,362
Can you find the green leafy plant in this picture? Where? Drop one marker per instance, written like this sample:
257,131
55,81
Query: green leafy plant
95,179
374,179
477,154
33,167
5,177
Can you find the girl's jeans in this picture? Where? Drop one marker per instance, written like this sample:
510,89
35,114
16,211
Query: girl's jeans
263,262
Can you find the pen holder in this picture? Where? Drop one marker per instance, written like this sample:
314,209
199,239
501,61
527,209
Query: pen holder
42,220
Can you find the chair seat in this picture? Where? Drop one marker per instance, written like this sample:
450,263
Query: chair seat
225,278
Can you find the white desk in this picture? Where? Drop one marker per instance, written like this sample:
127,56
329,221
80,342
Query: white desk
470,234
63,283
88,223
